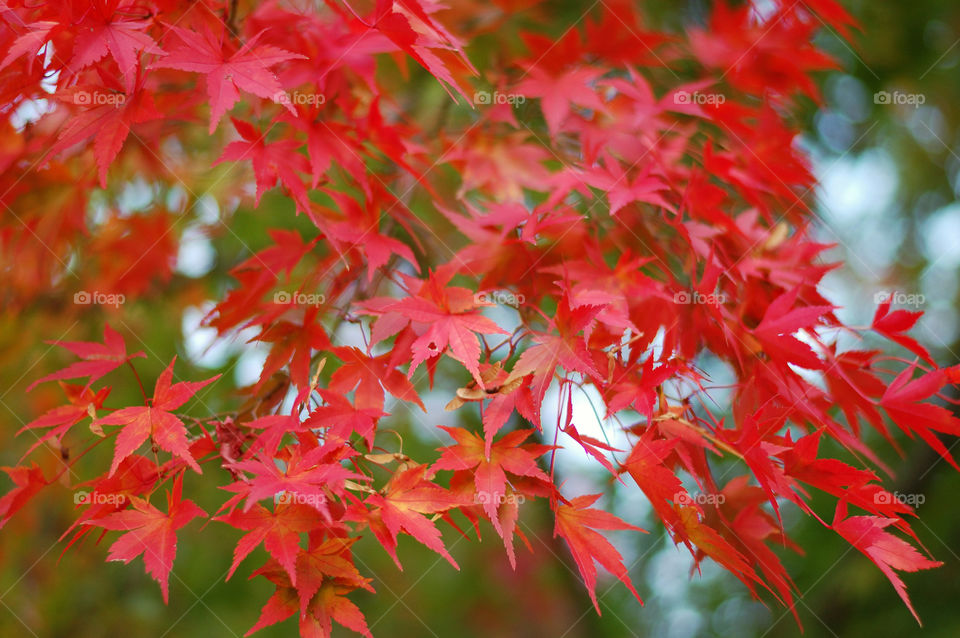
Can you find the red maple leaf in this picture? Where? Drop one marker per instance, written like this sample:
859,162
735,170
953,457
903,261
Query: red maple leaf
156,420
324,562
303,477
61,419
108,121
593,447
416,33
567,349
326,602
151,532
361,229
136,476
228,72
661,486
271,161
341,418
279,531
692,529
856,486
885,550
781,321
559,93
27,482
490,479
750,528
98,358
274,427
104,29
903,401
29,43
622,190
451,318
576,523
892,325
294,340
369,376
401,507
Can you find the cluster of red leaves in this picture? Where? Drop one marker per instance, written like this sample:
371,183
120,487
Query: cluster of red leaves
638,224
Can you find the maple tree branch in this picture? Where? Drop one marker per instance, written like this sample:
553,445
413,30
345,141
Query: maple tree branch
146,401
232,17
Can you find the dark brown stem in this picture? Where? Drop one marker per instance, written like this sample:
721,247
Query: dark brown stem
231,21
